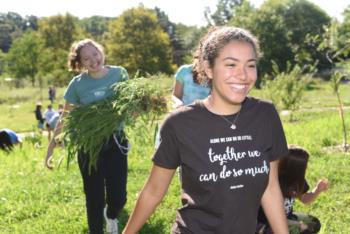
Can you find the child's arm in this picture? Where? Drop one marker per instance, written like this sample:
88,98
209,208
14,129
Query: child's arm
309,197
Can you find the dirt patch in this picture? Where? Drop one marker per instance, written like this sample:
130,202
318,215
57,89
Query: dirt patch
337,149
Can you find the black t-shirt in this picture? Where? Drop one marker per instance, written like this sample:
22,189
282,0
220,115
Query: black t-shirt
224,171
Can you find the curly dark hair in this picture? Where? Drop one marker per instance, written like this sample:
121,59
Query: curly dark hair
211,44
74,63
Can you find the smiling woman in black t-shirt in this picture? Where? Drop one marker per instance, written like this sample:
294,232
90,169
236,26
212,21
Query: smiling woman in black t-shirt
226,145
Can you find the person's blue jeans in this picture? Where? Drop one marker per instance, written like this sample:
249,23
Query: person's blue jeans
105,184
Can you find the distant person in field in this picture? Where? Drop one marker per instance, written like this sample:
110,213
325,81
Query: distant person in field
52,118
105,186
52,94
187,87
39,116
186,90
291,173
49,112
8,139
227,146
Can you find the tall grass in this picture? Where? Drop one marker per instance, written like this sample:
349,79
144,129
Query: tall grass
36,200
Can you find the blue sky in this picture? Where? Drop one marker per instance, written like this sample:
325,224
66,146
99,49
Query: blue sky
189,12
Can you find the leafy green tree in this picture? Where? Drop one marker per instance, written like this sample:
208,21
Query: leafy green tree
287,88
343,39
137,42
335,83
5,36
190,36
304,21
2,62
60,31
267,24
340,68
15,18
24,55
11,25
287,31
175,38
53,67
30,22
244,15
57,33
223,13
96,26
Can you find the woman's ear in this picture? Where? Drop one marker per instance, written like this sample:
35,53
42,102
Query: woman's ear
207,69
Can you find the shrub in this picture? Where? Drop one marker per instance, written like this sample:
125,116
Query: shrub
287,88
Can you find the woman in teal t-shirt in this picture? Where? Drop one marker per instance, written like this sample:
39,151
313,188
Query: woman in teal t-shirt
95,83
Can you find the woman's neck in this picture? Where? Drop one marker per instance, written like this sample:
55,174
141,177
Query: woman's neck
220,107
98,74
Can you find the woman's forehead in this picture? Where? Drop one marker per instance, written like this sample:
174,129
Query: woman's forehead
238,49
88,48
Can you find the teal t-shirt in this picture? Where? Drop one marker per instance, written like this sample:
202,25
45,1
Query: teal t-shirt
83,89
191,90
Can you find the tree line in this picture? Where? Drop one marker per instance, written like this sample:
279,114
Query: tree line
291,32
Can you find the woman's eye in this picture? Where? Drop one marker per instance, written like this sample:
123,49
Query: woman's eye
231,65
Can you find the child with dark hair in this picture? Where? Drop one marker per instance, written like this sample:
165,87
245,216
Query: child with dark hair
291,174
8,139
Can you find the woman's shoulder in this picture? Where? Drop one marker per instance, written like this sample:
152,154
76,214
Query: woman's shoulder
115,68
78,78
258,103
187,67
183,70
182,113
119,71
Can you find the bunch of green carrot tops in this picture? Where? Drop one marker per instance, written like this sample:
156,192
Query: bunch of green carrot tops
88,127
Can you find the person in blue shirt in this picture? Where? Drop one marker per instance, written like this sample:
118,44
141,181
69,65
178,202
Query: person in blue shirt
105,184
188,87
186,90
52,122
8,138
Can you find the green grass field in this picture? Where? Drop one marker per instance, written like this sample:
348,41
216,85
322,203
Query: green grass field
36,200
